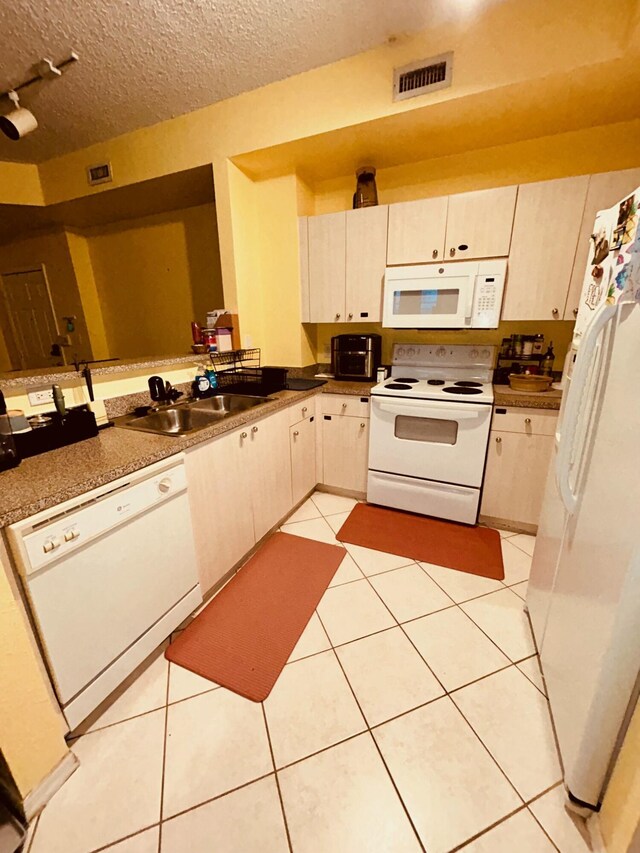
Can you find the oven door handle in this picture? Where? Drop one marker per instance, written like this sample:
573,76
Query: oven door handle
433,410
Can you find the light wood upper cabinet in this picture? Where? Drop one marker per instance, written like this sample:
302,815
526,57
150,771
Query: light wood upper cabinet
327,268
479,224
417,231
605,189
303,246
366,258
543,246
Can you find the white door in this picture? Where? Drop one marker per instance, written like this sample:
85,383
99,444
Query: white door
30,322
302,442
432,440
345,442
479,224
591,648
266,452
366,261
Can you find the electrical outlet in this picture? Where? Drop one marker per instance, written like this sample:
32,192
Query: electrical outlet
41,397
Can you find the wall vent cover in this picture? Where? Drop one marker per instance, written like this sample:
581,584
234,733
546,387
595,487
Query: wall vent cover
100,174
426,75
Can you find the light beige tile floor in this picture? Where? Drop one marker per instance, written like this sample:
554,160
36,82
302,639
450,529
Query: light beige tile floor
411,716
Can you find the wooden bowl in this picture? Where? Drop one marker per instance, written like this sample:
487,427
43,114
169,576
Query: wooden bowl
529,382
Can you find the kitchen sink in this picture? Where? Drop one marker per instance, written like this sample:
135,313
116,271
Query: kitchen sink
190,416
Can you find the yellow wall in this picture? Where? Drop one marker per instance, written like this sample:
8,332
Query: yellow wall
85,279
620,813
153,276
20,184
31,733
557,331
51,251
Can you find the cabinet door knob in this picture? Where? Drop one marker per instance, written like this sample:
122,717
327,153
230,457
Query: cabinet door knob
498,440
434,254
254,429
304,409
243,435
344,405
362,425
337,316
296,432
350,317
575,312
527,420
555,312
452,251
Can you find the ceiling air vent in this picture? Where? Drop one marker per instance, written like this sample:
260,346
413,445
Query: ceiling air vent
100,174
427,75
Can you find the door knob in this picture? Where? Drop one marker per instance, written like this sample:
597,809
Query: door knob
304,409
527,420
452,251
296,432
434,254
254,429
575,312
344,405
498,440
164,485
337,316
243,435
362,425
555,312
350,317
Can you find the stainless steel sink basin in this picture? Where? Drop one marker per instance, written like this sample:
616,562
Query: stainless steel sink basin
190,416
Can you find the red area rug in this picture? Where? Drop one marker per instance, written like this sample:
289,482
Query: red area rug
476,550
244,637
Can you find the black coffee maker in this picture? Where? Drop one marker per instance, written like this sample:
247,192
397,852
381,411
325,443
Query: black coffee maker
8,455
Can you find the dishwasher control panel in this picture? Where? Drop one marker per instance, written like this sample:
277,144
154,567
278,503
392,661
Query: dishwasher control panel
88,519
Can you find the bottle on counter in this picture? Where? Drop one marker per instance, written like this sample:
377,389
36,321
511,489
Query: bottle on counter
538,344
546,365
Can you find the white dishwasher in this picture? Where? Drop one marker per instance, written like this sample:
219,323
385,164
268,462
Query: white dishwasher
108,576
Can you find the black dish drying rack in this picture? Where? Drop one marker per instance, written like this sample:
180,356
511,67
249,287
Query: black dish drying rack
239,372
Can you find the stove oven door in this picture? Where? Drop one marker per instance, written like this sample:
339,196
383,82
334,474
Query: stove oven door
429,439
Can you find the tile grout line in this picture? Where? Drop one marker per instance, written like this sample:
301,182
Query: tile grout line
113,844
370,733
486,830
277,781
164,752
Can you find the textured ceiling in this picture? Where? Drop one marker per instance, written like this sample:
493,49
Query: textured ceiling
143,61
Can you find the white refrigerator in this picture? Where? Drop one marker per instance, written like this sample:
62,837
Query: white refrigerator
584,592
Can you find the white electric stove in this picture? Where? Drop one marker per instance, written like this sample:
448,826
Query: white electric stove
430,424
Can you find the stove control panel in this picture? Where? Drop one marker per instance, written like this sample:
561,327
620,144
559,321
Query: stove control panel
440,355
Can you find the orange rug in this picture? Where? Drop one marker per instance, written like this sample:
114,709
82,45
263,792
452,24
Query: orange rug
475,550
244,637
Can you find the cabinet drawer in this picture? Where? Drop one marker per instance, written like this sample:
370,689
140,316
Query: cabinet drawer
302,410
531,421
345,404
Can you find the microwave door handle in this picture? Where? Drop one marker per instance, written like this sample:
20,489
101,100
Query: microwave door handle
434,410
575,406
468,311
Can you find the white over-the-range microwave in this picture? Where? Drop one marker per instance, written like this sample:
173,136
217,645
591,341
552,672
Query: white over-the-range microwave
452,295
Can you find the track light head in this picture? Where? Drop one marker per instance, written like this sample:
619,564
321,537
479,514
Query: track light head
19,121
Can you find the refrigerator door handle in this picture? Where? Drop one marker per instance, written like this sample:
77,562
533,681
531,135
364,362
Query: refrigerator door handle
574,405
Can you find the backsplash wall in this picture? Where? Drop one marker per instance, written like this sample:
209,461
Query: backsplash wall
558,331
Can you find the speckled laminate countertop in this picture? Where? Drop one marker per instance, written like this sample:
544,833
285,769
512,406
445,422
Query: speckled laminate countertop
504,395
41,482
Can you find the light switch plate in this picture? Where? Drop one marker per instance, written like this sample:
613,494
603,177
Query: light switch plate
41,396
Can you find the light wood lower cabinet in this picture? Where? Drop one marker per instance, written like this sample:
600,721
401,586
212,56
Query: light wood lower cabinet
345,450
518,459
239,488
221,514
269,464
302,446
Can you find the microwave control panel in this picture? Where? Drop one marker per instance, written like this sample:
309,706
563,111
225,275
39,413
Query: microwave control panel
487,301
